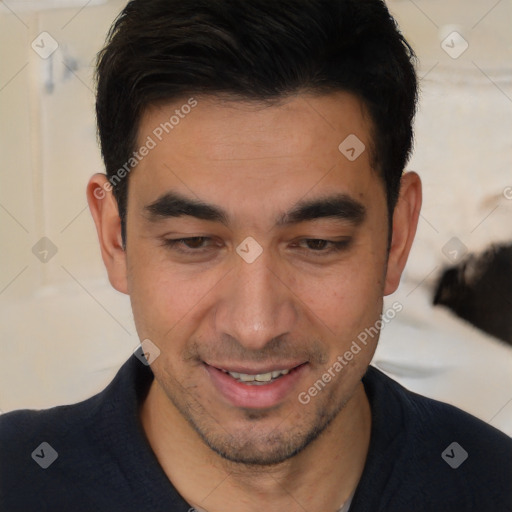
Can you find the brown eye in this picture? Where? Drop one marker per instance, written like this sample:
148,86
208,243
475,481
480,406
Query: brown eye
320,247
195,242
316,245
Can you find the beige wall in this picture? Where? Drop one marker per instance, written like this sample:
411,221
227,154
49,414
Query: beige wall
60,320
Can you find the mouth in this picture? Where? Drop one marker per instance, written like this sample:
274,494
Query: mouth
247,387
258,379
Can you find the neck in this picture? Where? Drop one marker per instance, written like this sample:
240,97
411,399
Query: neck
320,478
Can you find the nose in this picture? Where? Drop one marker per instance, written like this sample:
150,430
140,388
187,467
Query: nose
255,304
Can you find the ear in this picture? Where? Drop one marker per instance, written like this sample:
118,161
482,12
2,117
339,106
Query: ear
405,222
105,213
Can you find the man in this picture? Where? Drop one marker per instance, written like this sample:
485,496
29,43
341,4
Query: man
255,211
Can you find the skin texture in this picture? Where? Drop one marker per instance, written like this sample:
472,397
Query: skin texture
293,304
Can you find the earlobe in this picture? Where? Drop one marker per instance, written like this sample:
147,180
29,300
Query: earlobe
104,210
405,222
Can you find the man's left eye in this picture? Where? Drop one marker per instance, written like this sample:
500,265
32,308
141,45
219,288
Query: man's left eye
325,246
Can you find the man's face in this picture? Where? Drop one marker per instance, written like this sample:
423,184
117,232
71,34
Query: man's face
296,306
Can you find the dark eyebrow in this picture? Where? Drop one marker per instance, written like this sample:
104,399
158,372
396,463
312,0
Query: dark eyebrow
338,206
173,204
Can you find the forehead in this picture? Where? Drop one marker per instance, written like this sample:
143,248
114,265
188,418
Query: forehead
225,148
219,126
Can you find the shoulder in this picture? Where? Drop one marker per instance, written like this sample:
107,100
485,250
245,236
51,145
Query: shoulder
65,452
21,427
66,422
432,419
441,454
79,457
45,448
426,416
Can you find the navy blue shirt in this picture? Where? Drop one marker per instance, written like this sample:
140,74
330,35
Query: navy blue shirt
423,456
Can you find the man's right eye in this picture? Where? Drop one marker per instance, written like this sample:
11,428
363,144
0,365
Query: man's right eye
192,244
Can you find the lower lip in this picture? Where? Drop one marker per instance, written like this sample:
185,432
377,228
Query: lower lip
254,396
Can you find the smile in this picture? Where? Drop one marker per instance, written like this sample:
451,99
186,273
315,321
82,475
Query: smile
258,379
263,387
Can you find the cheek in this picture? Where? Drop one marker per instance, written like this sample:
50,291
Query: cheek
165,299
347,298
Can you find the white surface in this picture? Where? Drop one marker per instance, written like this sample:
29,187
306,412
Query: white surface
432,352
39,5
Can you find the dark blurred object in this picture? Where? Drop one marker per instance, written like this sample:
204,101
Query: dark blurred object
479,290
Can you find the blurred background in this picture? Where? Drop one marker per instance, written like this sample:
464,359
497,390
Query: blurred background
65,331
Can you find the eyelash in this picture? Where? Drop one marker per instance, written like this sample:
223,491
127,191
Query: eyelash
179,245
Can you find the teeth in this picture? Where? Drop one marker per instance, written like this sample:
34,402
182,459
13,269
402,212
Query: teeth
264,377
261,377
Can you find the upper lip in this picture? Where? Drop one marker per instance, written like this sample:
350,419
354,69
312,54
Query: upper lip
251,370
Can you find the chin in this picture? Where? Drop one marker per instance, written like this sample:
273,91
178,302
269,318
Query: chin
256,442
